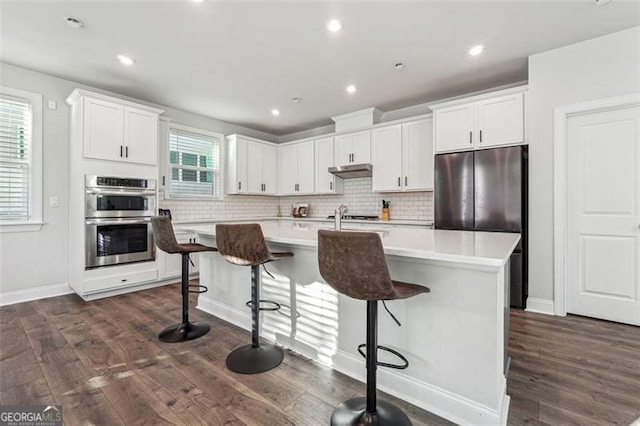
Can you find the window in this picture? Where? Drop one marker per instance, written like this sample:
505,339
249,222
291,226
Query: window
20,160
194,163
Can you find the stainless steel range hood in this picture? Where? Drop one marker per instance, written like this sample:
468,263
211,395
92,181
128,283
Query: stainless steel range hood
352,171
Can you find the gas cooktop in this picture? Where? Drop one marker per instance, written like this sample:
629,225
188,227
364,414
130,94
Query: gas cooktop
356,217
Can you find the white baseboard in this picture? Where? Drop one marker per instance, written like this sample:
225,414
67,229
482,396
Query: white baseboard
239,318
431,398
29,294
541,306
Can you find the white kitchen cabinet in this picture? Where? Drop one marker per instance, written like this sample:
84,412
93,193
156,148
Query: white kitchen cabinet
402,157
170,265
251,166
297,168
484,121
326,183
353,148
118,131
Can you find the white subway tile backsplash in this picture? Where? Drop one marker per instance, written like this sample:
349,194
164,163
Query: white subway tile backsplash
357,196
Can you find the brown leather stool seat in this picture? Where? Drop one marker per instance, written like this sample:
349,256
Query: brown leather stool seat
353,263
244,245
165,239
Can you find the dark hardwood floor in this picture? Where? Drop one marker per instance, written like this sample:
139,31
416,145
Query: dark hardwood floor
103,363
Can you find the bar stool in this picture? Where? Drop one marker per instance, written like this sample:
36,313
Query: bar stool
165,239
353,263
244,245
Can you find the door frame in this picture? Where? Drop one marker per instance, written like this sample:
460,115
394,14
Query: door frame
561,117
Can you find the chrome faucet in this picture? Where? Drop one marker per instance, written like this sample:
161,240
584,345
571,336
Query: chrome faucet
338,215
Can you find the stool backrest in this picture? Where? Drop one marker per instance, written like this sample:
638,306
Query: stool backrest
353,263
242,244
163,234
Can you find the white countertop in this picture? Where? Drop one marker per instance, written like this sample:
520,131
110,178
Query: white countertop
412,222
463,247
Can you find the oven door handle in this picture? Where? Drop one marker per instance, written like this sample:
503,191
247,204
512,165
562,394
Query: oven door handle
99,191
112,221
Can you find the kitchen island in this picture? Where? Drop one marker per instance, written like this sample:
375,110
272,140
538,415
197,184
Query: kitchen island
453,337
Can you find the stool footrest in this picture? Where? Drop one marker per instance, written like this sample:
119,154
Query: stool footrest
201,288
386,364
276,306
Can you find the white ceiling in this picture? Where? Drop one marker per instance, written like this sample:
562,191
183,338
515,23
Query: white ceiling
235,61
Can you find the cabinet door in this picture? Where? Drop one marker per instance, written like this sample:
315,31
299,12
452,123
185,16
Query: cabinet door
241,165
501,120
269,169
325,181
288,176
306,167
342,147
140,136
254,167
361,147
417,155
387,158
103,135
454,128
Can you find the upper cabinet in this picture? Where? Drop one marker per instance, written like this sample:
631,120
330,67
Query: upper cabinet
326,183
483,121
297,168
251,166
353,148
402,157
116,130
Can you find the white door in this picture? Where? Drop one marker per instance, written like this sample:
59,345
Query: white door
417,155
500,121
386,143
288,166
454,128
603,203
254,167
324,160
361,147
140,136
269,169
342,147
103,130
306,167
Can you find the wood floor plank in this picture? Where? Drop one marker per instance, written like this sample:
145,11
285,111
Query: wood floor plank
103,362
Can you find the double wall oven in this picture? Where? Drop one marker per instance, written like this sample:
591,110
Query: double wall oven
118,215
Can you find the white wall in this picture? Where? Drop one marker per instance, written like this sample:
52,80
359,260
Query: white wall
598,68
35,259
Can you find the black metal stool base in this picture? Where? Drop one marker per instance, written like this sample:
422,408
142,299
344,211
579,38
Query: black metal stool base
252,360
183,332
353,412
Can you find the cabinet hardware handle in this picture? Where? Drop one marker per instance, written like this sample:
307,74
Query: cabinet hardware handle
163,183
398,180
239,185
331,186
470,137
126,150
406,181
124,280
120,150
480,136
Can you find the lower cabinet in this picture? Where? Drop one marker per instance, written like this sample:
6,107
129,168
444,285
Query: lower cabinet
170,265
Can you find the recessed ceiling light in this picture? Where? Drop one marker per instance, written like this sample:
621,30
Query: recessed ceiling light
74,23
334,25
399,66
275,112
197,1
295,100
601,2
125,60
476,50
351,88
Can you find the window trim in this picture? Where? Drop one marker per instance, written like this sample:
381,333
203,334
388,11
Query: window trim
36,167
168,195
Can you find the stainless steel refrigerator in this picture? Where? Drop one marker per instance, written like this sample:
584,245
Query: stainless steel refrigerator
486,190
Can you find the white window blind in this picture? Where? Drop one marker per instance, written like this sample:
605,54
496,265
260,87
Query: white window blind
194,161
16,148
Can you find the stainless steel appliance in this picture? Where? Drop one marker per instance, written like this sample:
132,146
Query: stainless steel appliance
486,190
118,220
